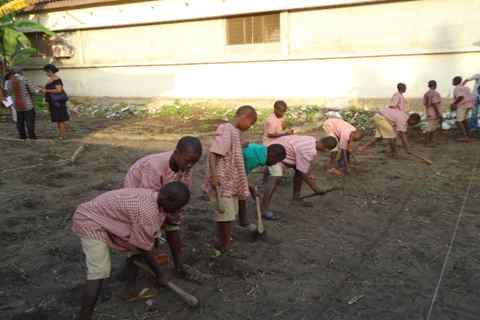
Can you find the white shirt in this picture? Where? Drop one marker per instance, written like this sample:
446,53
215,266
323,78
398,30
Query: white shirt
475,77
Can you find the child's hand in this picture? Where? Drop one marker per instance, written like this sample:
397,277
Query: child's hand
244,143
214,181
164,277
290,132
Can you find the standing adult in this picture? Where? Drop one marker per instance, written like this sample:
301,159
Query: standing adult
56,98
21,92
474,116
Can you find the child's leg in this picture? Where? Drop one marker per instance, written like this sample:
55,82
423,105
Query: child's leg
333,159
467,127
97,256
229,206
175,245
393,147
297,185
242,213
273,178
461,127
132,273
224,234
30,121
90,295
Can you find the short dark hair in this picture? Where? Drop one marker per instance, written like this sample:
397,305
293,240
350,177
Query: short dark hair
401,85
245,110
415,117
50,67
189,144
432,84
277,151
8,75
280,105
173,195
329,142
457,80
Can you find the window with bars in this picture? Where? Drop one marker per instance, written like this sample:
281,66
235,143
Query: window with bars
253,29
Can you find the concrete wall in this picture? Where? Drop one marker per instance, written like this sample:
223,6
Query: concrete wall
346,51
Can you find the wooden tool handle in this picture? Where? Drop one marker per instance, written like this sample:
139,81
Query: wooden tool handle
260,228
427,161
318,193
188,298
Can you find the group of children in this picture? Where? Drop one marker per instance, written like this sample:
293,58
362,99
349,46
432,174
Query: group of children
157,186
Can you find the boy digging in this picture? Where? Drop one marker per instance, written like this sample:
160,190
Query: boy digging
389,123
226,181
432,102
300,153
463,103
127,220
345,134
156,170
258,155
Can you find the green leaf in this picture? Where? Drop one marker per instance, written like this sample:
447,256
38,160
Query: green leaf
23,56
32,26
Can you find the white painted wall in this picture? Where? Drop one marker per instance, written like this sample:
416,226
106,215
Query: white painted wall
352,51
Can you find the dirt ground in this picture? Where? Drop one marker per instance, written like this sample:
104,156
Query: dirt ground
373,250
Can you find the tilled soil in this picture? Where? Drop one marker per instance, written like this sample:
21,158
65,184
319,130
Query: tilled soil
372,250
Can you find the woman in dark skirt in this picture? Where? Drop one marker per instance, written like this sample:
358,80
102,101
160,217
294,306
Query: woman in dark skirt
58,110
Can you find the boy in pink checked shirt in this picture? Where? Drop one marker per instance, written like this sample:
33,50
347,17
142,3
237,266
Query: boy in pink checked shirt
301,151
127,220
345,134
156,170
432,102
390,123
274,124
463,103
398,100
226,182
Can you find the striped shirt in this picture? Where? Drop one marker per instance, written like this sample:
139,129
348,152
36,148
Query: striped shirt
154,172
468,98
396,117
229,164
301,151
273,125
339,129
124,219
398,101
20,90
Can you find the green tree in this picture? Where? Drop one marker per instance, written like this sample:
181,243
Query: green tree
15,47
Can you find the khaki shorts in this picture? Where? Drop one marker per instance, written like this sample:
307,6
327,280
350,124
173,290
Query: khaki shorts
384,128
276,170
462,114
433,125
229,207
97,258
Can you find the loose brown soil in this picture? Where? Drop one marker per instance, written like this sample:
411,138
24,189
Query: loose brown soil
373,250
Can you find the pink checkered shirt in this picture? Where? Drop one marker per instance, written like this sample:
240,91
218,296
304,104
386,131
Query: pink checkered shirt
153,172
273,125
124,219
229,165
339,129
468,98
398,101
301,151
430,99
396,117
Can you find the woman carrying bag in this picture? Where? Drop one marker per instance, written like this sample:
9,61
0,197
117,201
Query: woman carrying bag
57,99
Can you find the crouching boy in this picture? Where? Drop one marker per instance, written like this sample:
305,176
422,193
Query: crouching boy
126,220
